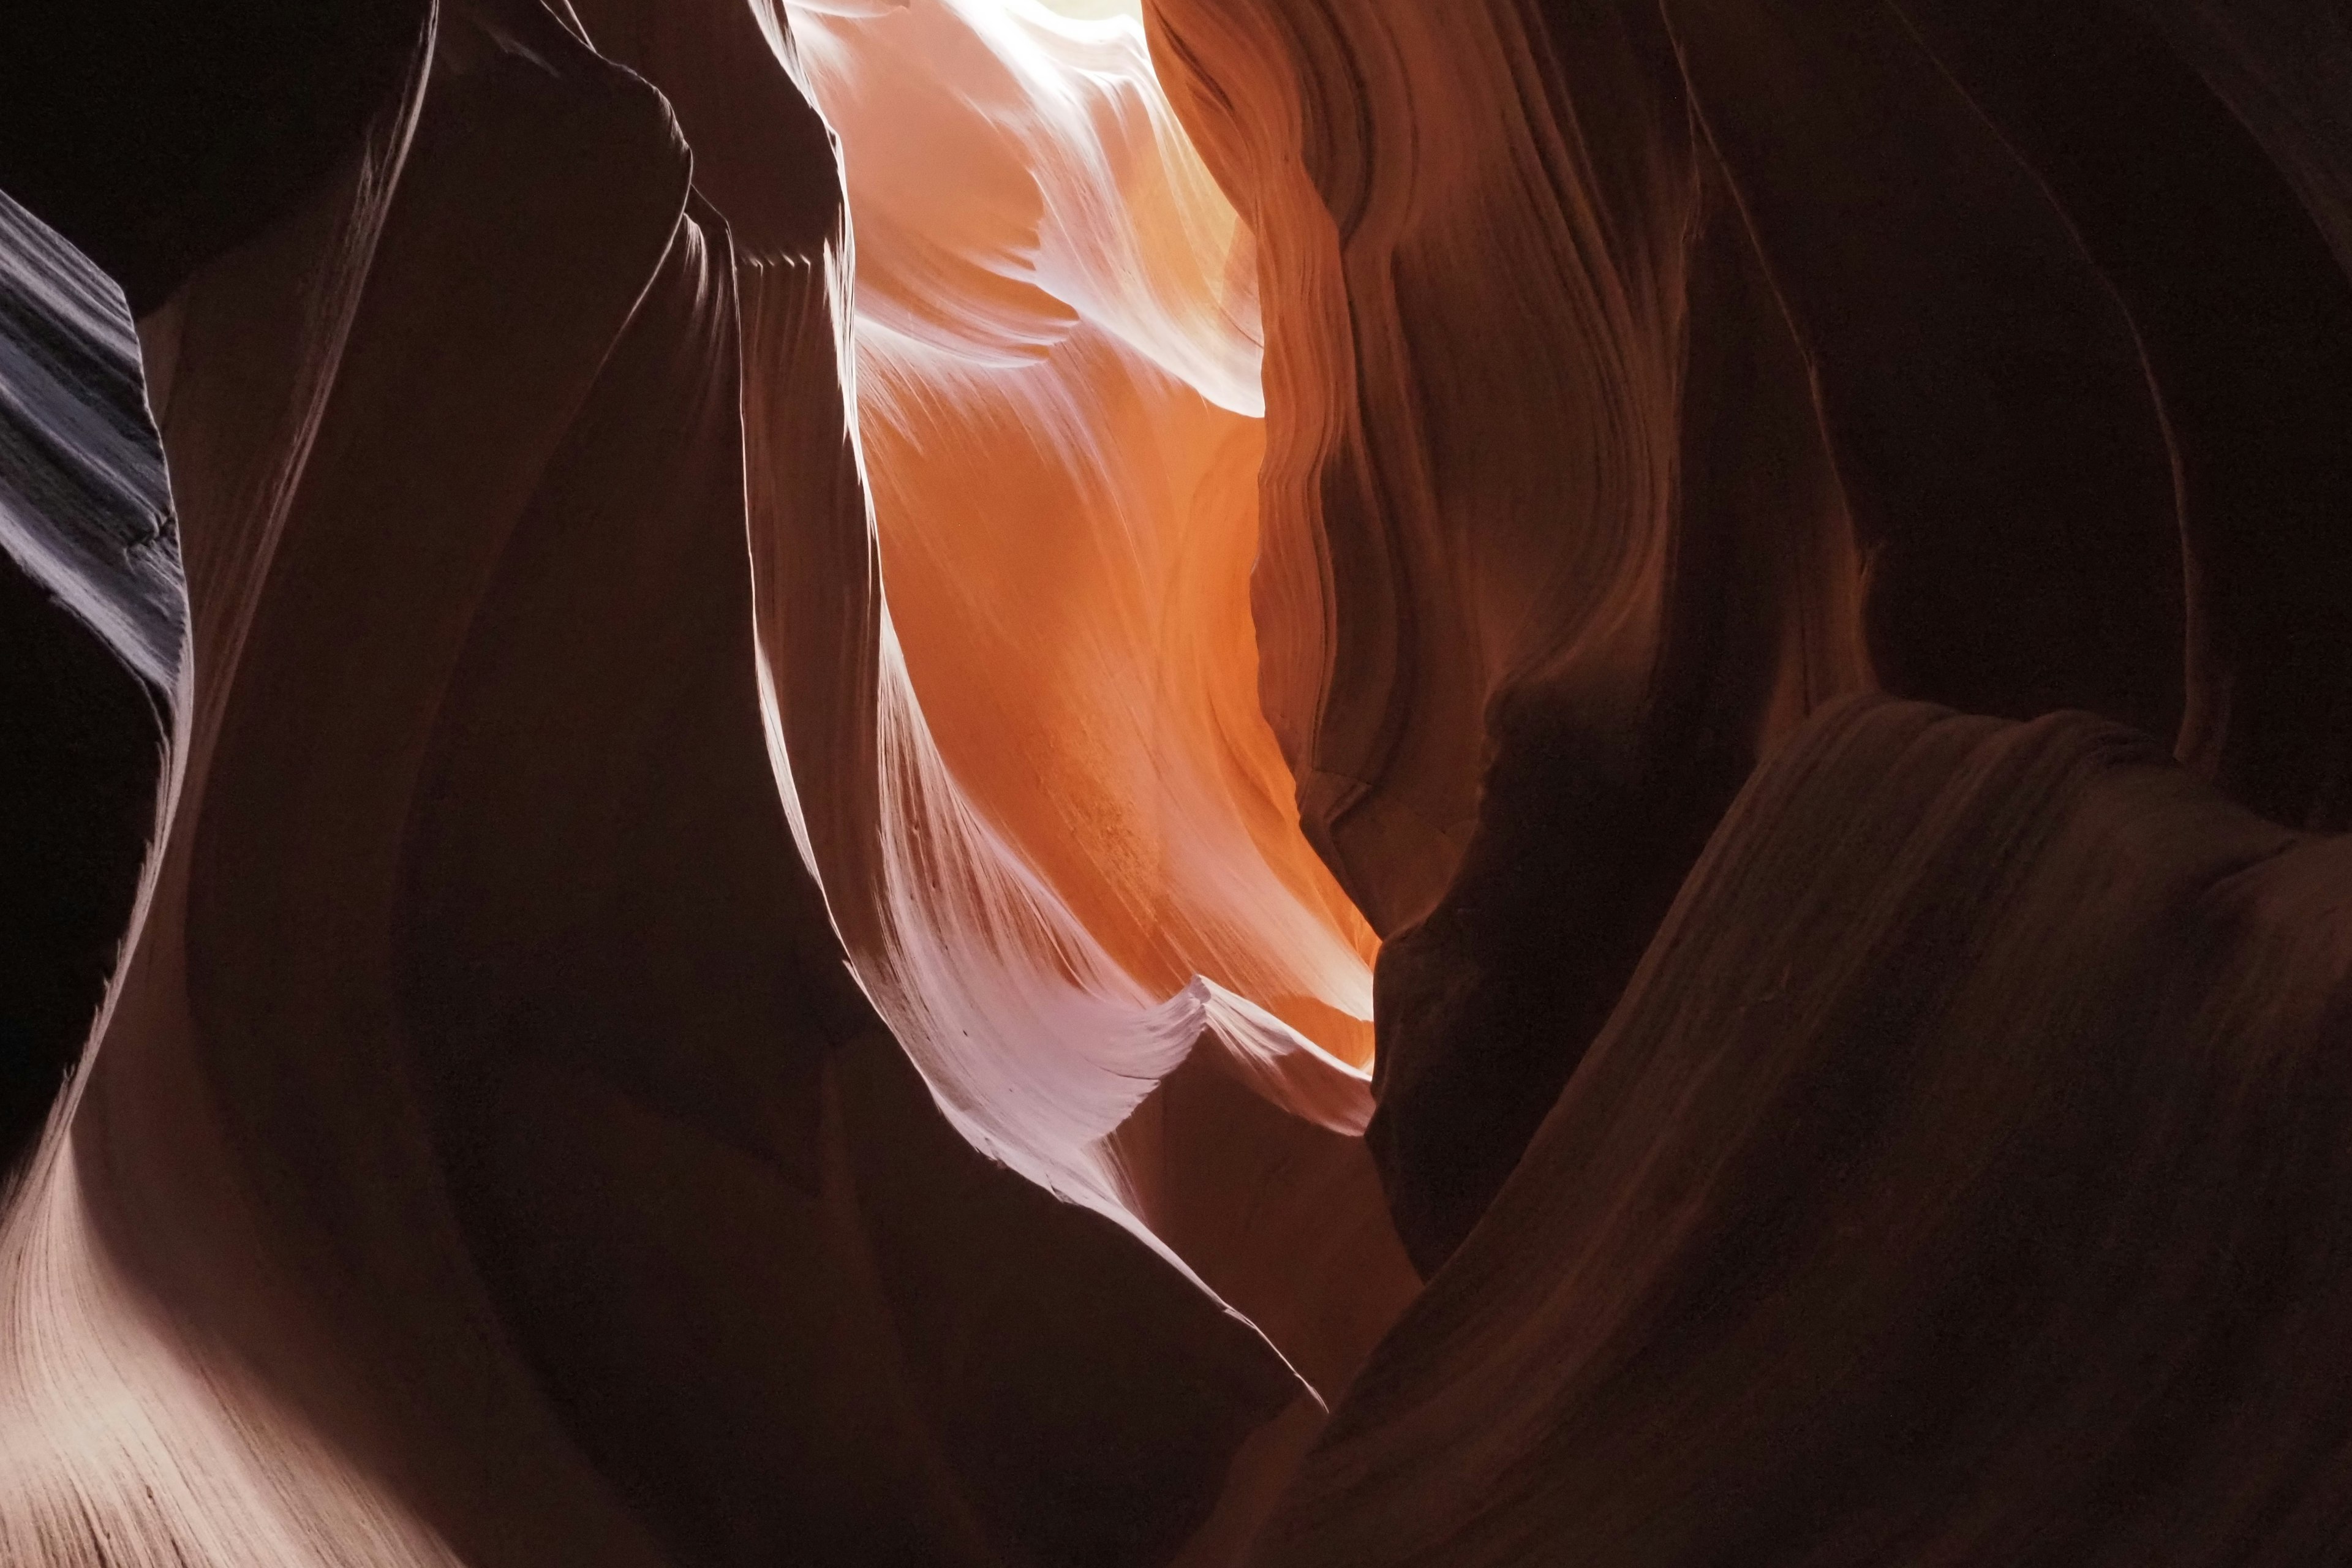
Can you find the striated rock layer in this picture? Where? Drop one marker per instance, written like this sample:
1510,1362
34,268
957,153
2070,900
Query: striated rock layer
1547,557
1960,1179
486,1150
89,577
841,660
1756,353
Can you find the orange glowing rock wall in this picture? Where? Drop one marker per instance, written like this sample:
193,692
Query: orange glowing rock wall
1641,375
1000,537
1059,410
1553,543
488,1151
836,653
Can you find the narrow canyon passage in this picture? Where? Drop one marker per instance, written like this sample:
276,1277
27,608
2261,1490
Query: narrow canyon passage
1086,815
1175,784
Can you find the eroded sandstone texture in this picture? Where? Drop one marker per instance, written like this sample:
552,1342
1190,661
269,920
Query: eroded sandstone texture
1985,355
1312,782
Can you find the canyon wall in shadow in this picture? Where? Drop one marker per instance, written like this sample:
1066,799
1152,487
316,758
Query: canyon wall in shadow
1211,782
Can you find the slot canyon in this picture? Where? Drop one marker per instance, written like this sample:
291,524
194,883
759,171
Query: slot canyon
1175,784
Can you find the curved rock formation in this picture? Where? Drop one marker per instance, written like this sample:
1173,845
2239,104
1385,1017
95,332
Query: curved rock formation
1085,856
2015,402
89,575
1529,599
913,742
484,1098
1927,1198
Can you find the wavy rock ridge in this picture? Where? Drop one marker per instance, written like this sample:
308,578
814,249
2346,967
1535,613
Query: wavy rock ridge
1175,782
